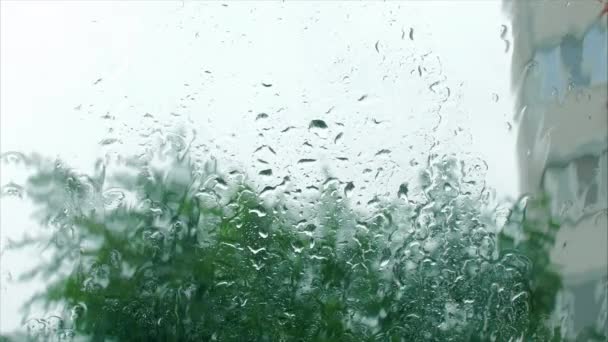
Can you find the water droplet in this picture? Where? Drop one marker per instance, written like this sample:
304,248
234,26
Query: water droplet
503,35
521,113
12,190
13,157
113,198
156,211
265,147
403,190
603,214
35,327
297,246
77,311
350,186
433,85
554,92
317,124
176,142
115,258
54,324
495,97
411,34
522,294
67,334
338,137
385,258
267,85
265,172
261,116
257,212
268,189
531,67
306,160
256,251
383,151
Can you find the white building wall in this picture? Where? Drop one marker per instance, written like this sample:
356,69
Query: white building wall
559,74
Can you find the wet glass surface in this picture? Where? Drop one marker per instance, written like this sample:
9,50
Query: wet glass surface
304,171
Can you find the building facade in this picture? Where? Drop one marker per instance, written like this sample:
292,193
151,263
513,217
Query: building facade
560,77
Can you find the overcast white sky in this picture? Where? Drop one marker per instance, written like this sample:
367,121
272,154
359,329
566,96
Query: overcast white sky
205,63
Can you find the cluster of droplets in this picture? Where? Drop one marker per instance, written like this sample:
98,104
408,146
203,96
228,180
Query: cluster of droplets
442,259
169,247
50,328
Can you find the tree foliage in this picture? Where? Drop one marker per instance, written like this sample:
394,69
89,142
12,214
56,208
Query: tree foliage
175,251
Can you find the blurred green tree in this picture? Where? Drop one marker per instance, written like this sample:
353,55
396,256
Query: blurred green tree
173,251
